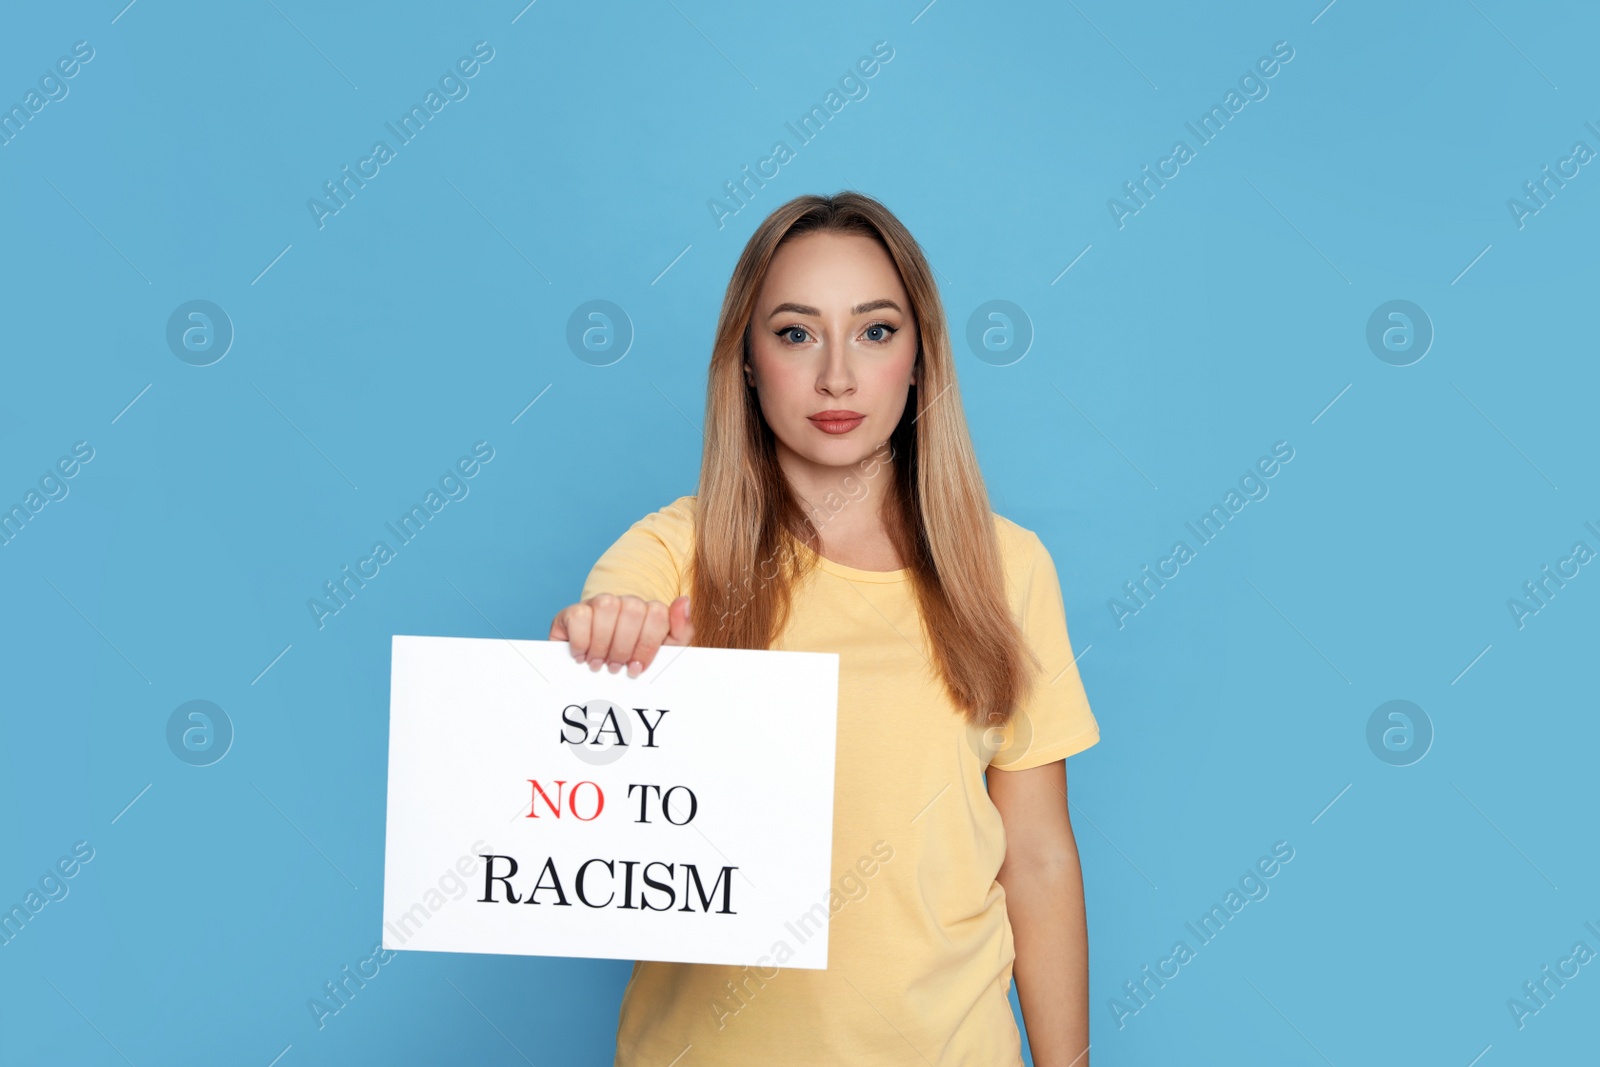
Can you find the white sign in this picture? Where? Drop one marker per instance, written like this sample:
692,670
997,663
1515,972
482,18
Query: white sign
539,808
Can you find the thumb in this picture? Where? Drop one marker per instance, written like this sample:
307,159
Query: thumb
680,629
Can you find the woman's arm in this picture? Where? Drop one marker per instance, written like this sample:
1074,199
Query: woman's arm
1044,898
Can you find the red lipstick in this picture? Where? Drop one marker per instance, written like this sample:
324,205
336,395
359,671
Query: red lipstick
836,422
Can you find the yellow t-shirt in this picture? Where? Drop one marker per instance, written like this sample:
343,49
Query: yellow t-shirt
920,949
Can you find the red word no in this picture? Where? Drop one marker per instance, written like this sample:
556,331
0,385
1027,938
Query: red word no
554,807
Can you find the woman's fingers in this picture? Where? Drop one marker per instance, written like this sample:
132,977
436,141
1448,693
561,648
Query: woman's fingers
574,624
681,629
651,635
602,623
624,636
622,630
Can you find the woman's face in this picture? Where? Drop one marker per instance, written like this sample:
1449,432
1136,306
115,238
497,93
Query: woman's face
832,335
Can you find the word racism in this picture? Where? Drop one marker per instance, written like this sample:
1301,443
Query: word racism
1254,488
690,876
1540,592
690,873
811,125
453,487
1539,994
1253,87
52,87
53,886
411,124
53,484
1252,885
1580,155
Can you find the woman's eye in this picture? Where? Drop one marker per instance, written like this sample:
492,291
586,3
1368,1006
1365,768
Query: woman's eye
878,333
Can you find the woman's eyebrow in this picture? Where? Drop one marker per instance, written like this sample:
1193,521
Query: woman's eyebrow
859,309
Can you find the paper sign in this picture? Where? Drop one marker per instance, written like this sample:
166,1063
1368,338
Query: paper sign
536,807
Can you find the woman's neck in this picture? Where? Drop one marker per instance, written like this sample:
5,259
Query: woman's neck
848,506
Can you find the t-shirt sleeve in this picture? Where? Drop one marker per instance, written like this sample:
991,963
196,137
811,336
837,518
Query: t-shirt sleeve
1053,721
648,560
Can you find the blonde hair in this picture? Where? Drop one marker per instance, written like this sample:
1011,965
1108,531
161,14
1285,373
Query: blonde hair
750,527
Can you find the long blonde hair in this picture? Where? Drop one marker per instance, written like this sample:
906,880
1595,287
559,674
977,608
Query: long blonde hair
750,525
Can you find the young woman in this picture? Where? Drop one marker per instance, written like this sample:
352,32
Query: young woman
841,509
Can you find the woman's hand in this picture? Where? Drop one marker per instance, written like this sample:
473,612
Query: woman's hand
618,630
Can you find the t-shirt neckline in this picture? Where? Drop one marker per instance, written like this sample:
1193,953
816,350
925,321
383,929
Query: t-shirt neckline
856,574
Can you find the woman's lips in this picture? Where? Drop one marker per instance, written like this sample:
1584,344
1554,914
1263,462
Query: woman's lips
836,422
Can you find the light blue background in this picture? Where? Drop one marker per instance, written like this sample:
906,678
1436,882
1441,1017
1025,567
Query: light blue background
1226,315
